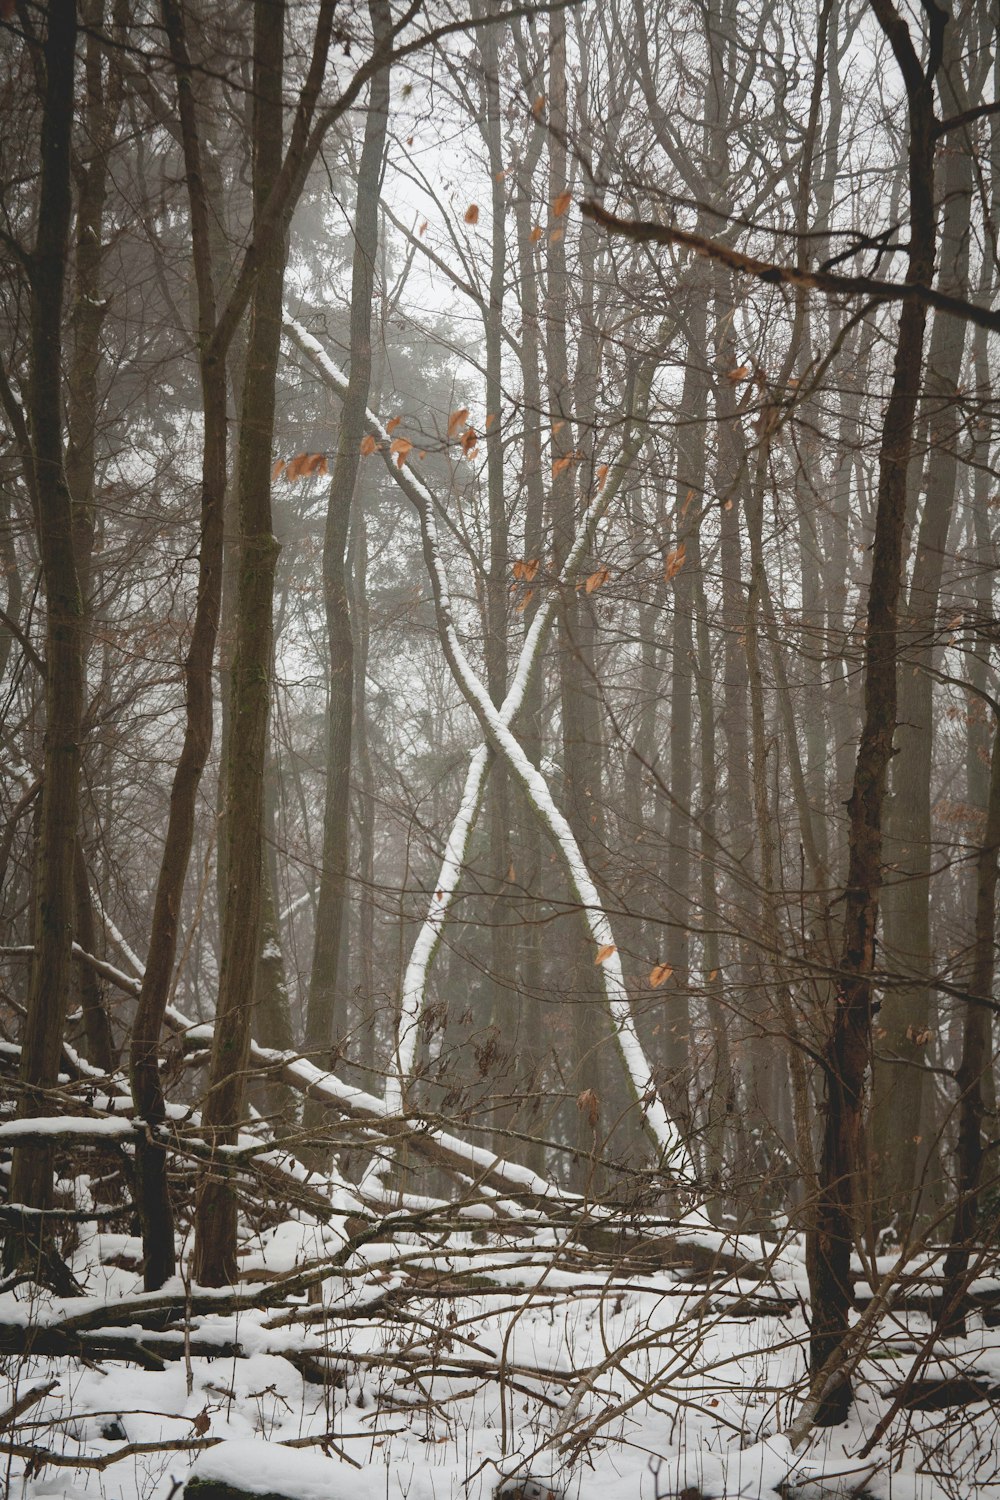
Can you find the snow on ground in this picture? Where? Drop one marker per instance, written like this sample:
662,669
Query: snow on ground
629,1387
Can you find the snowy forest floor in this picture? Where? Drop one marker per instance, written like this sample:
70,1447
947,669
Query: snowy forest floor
436,1362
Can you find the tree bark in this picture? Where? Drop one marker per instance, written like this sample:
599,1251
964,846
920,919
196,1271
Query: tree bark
848,1048
243,829
31,1170
899,1070
153,1197
326,1017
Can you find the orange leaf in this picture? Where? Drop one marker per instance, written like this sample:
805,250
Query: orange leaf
520,608
713,976
560,204
315,463
562,464
469,440
368,446
740,373
277,469
423,228
674,562
392,424
556,234
401,447
490,419
457,419
659,974
538,105
293,468
536,234
602,477
422,454
596,579
472,214
499,176
605,951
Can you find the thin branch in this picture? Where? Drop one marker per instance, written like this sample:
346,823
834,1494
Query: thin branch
646,232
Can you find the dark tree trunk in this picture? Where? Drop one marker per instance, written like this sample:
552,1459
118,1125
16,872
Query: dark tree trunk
31,1171
153,1197
899,1075
848,1048
243,824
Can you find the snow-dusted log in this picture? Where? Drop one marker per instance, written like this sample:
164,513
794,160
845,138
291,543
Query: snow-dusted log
496,727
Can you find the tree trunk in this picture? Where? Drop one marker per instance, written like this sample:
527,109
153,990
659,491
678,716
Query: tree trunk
153,1197
326,1017
899,1071
848,1048
243,829
31,1171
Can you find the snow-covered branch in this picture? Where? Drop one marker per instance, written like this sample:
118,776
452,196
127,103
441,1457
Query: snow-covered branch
496,725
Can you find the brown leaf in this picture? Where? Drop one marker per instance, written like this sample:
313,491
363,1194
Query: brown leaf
368,446
604,951
556,234
305,464
201,1423
401,446
520,608
457,419
538,105
423,228
490,419
560,204
687,503
674,562
279,466
472,214
392,424
536,234
713,976
562,464
469,440
597,579
659,974
589,1105
740,373
602,477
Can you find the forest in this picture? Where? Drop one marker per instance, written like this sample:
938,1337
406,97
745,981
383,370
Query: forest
499,757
